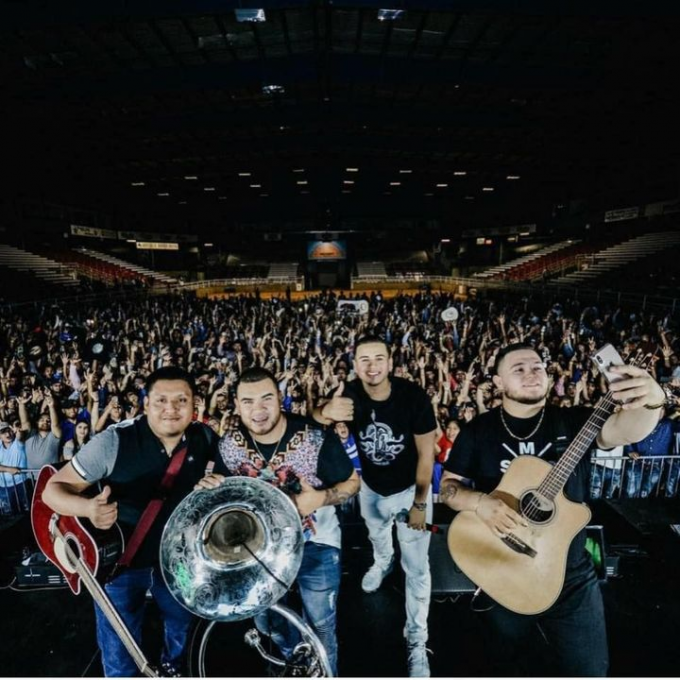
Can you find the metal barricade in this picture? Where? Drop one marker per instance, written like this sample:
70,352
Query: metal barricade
16,492
641,477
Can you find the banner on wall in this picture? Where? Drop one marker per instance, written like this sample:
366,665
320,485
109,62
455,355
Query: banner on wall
92,232
147,237
662,207
622,214
149,245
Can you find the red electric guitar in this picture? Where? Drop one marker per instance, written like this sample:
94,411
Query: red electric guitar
82,554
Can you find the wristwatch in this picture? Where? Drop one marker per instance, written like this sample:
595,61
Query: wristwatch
419,506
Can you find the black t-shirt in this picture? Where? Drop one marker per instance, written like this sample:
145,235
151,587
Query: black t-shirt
384,433
484,449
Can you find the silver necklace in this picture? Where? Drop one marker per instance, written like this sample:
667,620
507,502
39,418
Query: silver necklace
276,449
530,435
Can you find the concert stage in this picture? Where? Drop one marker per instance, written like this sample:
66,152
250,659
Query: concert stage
50,632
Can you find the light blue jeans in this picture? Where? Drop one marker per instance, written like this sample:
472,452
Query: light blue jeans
318,582
379,513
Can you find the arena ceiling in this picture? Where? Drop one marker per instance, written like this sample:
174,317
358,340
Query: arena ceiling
470,111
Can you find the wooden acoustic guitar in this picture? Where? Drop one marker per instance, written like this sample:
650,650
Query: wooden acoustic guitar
525,570
82,554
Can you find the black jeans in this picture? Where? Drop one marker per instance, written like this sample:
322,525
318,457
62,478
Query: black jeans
569,639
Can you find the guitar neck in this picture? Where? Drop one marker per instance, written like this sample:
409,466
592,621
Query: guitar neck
113,617
561,471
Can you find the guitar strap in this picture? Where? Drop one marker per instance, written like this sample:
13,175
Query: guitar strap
151,511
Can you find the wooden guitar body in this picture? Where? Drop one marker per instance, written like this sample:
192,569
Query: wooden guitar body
524,572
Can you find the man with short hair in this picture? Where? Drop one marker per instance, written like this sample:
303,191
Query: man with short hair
131,459
68,424
310,464
42,443
14,496
394,427
525,424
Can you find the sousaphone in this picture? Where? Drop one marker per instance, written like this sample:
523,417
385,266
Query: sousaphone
229,553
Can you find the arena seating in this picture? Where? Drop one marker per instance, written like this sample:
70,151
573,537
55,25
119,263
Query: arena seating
606,262
504,270
100,270
47,270
368,271
155,278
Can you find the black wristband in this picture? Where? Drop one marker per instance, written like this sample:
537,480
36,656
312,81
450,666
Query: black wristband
420,506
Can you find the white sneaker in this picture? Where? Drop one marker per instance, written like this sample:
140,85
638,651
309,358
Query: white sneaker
373,578
418,664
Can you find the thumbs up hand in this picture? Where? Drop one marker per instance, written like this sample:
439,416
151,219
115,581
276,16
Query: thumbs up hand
339,408
102,513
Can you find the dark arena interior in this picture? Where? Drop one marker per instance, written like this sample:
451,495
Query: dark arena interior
225,185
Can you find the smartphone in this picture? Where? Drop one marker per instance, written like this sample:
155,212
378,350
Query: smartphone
605,357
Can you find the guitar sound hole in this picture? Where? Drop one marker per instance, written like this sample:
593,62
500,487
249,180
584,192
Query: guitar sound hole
536,508
75,549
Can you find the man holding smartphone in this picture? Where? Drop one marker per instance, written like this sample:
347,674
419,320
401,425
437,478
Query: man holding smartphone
573,627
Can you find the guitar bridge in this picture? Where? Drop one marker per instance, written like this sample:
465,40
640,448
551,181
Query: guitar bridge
518,545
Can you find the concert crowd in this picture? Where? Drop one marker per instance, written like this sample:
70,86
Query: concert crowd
66,375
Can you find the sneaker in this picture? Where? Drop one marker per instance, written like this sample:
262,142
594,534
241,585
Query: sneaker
374,577
418,664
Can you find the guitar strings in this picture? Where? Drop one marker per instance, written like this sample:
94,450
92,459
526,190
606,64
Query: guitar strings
603,409
533,508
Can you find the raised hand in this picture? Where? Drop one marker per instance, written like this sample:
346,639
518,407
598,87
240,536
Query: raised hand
339,408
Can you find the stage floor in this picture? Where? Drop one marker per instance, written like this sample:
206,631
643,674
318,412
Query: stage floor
51,632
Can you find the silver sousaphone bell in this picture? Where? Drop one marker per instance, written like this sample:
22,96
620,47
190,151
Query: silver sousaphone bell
229,553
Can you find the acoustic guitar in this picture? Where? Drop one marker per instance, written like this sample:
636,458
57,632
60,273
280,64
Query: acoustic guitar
83,554
525,570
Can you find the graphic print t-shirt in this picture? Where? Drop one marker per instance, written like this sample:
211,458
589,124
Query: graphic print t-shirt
484,450
384,433
305,451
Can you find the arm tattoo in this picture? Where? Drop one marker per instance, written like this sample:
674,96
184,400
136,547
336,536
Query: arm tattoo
447,492
335,497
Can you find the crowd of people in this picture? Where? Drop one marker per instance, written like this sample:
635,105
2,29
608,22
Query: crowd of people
66,376
402,387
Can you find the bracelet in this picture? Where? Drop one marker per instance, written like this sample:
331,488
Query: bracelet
479,500
420,506
654,407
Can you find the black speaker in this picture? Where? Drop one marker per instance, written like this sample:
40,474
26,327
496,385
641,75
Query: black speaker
446,576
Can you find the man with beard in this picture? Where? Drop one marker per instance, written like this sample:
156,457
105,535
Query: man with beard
573,627
394,427
310,464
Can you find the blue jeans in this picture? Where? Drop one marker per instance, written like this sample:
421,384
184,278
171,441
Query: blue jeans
672,479
573,628
15,499
318,582
379,513
127,593
605,482
643,478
